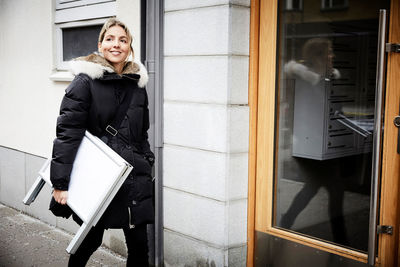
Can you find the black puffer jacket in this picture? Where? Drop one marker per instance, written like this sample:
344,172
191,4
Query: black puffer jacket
90,103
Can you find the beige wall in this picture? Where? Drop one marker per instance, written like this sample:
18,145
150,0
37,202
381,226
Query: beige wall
29,100
129,12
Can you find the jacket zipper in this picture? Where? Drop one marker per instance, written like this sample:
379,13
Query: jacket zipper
126,76
130,220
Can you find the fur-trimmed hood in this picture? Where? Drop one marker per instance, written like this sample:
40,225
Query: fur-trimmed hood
293,68
95,65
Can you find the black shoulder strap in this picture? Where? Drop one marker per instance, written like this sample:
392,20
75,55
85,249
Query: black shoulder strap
112,128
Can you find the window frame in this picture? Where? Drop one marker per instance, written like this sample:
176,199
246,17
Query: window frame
63,4
289,6
73,14
331,7
60,63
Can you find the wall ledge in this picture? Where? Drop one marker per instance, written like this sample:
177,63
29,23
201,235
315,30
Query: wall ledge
61,76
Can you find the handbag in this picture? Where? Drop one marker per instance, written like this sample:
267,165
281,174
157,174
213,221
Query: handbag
60,210
141,211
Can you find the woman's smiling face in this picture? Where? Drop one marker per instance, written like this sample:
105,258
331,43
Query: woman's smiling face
115,47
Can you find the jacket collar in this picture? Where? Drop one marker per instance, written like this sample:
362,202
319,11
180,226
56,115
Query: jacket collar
97,67
292,68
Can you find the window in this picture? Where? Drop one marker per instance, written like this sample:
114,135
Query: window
61,4
77,26
327,5
294,5
76,39
79,41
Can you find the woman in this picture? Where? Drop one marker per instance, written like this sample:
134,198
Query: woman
316,65
102,82
310,76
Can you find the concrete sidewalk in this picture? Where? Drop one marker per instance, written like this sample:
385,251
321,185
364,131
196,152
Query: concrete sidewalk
26,241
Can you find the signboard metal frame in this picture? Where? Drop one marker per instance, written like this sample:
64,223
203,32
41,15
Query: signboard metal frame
82,170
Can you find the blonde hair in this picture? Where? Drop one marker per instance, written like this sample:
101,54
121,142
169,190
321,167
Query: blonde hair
115,22
316,52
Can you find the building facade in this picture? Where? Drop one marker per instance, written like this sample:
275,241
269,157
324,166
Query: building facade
272,123
204,141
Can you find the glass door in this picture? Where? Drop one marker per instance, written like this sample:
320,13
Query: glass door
315,172
325,120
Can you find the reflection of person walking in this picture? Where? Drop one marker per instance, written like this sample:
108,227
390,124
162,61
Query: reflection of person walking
317,62
320,174
317,67
102,83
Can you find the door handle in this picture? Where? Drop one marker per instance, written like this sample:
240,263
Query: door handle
396,123
372,237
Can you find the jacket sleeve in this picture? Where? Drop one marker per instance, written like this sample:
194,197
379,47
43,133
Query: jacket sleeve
71,127
145,137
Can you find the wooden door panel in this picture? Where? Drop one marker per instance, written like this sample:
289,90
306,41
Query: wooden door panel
389,212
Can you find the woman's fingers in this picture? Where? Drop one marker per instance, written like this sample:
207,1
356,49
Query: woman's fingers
60,196
63,201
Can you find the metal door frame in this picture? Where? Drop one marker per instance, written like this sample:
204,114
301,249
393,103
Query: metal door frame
152,44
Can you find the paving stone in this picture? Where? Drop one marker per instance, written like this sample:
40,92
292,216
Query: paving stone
25,241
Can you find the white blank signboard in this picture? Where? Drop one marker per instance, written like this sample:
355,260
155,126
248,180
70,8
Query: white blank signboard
97,174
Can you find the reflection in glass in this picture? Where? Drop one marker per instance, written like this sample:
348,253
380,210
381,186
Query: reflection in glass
326,97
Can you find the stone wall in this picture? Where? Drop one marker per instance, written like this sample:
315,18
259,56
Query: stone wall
206,130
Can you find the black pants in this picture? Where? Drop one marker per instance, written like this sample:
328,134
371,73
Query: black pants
136,241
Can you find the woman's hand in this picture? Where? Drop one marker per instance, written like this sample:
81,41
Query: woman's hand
60,196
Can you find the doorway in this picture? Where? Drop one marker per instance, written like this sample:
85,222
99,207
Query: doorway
320,177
